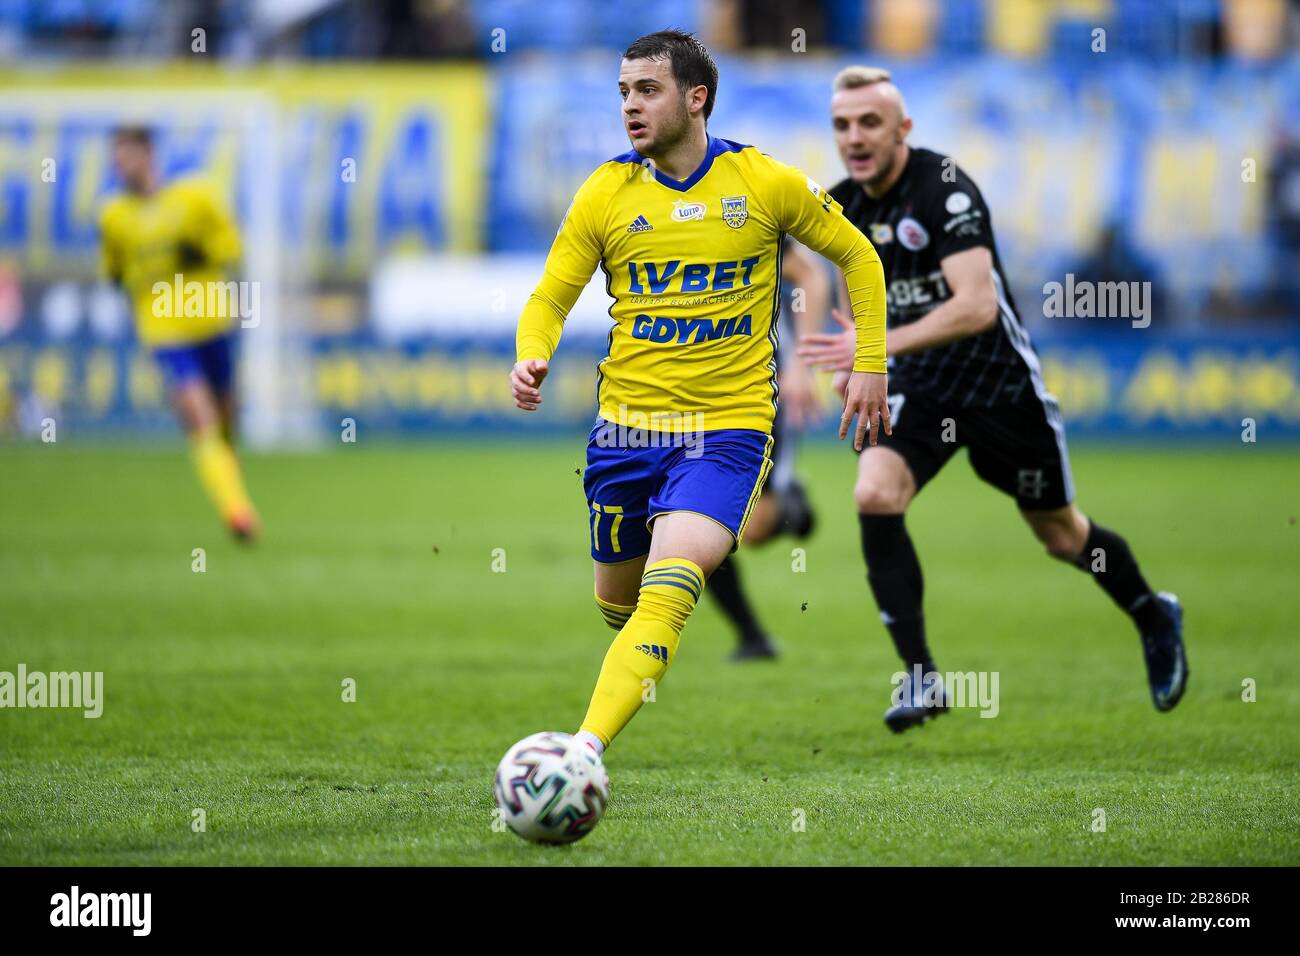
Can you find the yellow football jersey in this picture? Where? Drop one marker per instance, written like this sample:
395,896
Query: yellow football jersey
181,229
694,270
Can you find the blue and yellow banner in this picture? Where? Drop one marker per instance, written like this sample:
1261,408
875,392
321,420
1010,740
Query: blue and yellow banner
1207,387
366,160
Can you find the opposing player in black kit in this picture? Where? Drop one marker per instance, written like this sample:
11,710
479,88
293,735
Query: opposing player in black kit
962,373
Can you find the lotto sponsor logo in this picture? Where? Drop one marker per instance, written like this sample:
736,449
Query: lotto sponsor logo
684,211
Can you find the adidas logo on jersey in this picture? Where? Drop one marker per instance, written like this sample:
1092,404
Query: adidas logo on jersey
639,224
657,651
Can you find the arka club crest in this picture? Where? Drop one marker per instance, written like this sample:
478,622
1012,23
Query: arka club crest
735,211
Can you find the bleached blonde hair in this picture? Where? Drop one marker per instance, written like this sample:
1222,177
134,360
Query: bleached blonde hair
856,76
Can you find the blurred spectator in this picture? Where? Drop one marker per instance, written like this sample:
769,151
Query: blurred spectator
1019,27
904,28
418,29
1255,29
1152,30
1284,220
765,24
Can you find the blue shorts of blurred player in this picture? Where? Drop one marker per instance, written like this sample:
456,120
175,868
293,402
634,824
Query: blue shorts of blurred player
211,361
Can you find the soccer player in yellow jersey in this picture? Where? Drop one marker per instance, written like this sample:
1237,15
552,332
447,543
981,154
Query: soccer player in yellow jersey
688,230
162,241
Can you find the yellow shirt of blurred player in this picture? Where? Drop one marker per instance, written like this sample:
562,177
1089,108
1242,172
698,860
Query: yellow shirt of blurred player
694,270
170,251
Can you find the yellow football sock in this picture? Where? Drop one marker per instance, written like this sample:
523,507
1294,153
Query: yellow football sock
219,473
645,646
616,615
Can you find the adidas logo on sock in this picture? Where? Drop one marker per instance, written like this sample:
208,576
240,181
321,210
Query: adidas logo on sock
640,224
657,651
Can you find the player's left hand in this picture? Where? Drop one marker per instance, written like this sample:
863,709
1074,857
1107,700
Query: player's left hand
867,397
833,351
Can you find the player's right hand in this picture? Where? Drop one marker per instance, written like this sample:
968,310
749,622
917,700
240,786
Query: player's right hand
833,351
526,383
799,398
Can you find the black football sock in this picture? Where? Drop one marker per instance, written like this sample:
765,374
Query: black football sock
894,574
1107,557
724,585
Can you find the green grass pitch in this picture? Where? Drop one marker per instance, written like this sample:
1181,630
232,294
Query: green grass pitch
224,688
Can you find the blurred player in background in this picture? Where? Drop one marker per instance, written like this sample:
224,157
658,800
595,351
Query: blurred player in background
161,242
964,374
688,229
783,507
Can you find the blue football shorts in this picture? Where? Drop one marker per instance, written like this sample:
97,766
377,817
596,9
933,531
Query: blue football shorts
635,475
211,361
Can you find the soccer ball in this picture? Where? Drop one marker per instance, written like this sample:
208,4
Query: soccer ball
551,788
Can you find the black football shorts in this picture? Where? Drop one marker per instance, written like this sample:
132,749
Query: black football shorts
1018,448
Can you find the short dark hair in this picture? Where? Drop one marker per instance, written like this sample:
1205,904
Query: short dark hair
140,135
691,62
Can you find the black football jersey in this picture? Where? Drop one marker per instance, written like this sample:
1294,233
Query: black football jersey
931,212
